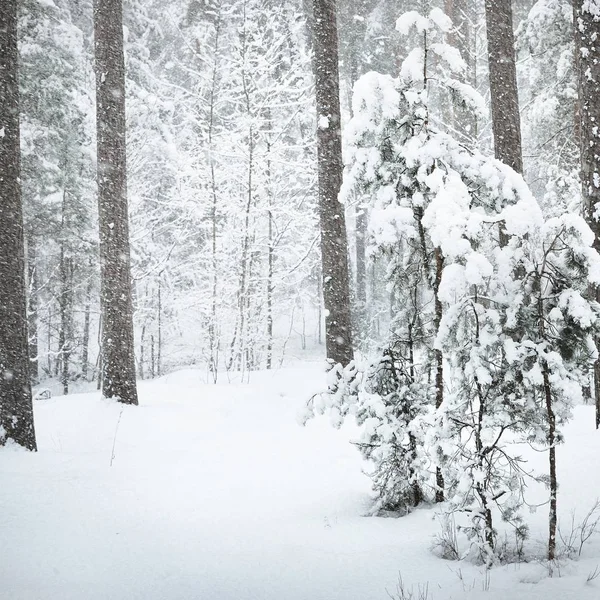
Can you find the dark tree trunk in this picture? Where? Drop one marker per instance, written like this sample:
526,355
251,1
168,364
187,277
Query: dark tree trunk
553,515
86,332
334,245
66,318
16,409
439,365
118,364
587,53
506,121
65,303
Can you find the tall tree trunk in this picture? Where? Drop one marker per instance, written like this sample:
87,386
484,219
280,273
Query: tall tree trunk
334,244
587,33
213,325
118,380
239,341
506,120
65,303
16,408
270,249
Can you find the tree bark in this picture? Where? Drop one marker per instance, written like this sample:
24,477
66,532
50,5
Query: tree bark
553,515
118,364
587,62
86,331
334,244
506,120
439,365
16,408
65,303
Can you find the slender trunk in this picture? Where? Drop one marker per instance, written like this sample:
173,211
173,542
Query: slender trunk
270,250
239,331
63,303
49,340
361,270
417,494
32,310
142,349
550,416
244,259
159,333
334,245
86,332
152,357
118,363
482,484
439,364
212,327
553,518
16,409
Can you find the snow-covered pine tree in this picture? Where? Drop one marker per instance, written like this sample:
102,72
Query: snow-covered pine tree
435,201
551,330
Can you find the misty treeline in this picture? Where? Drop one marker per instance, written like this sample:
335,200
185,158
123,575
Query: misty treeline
179,176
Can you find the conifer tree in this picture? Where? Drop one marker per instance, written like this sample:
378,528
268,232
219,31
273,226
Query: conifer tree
118,362
506,121
16,410
334,245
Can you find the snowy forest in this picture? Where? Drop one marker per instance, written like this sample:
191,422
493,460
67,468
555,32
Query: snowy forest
299,299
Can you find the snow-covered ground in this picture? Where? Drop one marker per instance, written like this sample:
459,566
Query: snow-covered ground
216,493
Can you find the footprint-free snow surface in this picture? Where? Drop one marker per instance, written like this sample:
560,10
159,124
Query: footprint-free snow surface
214,492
